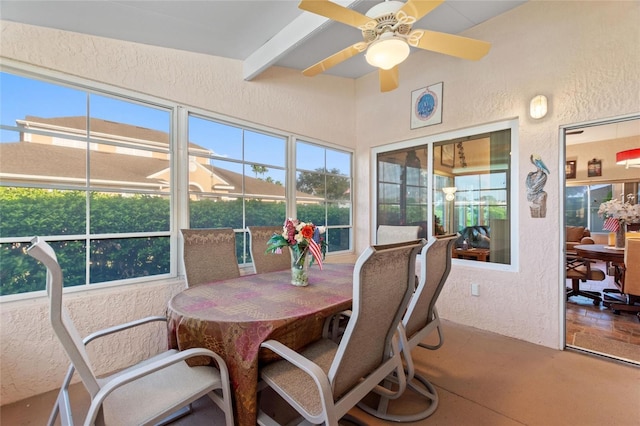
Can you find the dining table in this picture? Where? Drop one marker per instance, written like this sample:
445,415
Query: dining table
233,317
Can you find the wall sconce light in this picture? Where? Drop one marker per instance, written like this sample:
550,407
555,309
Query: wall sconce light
538,107
629,158
450,192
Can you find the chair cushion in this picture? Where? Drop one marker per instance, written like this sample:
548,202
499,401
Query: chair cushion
296,383
575,233
174,386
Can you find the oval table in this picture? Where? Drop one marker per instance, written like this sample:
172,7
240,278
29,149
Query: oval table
600,252
233,317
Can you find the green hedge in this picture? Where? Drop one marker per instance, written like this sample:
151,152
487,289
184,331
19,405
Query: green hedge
25,212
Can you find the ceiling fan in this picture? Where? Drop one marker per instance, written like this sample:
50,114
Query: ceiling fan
388,33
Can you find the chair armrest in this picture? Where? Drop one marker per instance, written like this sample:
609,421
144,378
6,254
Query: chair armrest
152,367
121,327
587,240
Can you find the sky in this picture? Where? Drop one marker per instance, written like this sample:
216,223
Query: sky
22,96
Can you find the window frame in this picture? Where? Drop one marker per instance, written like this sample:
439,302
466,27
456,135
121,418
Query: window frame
433,142
179,163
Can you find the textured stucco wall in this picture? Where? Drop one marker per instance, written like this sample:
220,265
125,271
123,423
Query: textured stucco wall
31,359
584,57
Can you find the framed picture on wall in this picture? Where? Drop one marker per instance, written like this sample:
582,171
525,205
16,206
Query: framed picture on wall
570,169
426,106
447,155
594,168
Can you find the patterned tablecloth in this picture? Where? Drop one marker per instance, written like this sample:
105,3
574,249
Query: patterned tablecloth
233,317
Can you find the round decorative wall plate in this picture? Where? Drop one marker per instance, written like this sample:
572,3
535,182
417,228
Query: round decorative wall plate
426,105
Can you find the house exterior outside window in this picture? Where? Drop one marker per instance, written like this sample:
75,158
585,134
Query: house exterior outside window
94,171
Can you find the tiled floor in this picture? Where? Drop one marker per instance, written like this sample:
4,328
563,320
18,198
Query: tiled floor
482,379
584,321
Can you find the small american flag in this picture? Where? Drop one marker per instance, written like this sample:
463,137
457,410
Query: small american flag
314,248
611,224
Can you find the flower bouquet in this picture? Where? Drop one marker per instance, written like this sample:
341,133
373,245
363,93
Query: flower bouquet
617,214
302,238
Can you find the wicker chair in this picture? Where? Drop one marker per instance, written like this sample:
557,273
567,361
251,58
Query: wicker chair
267,262
326,379
209,255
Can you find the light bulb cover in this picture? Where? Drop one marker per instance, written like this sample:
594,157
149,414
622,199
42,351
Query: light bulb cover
387,52
538,107
450,192
628,158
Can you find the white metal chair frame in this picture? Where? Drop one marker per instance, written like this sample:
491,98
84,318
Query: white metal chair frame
187,383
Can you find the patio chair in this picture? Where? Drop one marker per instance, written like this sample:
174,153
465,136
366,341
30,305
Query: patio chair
267,262
420,320
209,255
326,379
143,394
388,234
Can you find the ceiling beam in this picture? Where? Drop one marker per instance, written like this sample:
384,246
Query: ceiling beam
301,28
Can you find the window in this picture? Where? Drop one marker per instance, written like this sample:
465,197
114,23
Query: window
70,172
455,184
237,178
583,202
323,191
402,188
93,170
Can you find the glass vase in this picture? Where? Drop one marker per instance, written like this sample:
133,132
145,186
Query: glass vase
620,235
299,269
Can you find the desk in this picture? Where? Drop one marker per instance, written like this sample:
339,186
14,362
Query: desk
233,317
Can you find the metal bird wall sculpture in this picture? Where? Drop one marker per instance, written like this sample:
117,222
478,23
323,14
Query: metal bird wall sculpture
535,187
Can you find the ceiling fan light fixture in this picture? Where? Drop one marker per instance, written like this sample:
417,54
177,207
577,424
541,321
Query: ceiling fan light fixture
388,52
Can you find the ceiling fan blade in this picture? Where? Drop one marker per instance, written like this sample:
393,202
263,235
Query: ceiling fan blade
334,11
449,44
335,59
389,79
418,9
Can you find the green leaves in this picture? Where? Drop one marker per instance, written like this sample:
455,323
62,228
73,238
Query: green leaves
276,242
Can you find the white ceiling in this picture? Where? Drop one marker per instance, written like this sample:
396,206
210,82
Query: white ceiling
603,132
260,32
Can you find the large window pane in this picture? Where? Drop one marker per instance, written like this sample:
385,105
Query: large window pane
58,145
474,178
402,188
126,258
469,193
113,213
323,191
